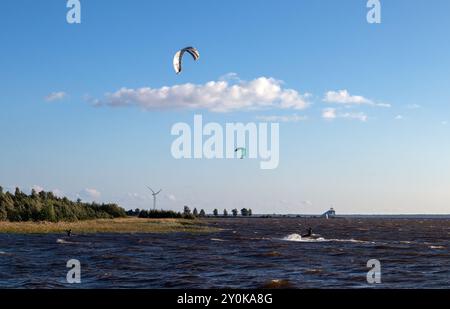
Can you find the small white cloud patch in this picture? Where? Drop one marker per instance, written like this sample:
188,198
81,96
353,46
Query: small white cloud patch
413,106
345,98
329,113
58,193
55,96
279,118
332,113
37,188
171,197
90,194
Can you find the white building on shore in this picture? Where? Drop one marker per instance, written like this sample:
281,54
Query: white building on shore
329,213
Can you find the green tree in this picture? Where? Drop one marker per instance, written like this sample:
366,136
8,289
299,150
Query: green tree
202,213
7,204
48,213
187,210
250,212
225,213
48,207
216,212
244,212
195,212
235,212
34,194
42,195
36,208
51,196
17,193
3,213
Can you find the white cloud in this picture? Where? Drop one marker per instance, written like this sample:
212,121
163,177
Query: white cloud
358,116
37,188
278,118
58,193
399,117
306,203
332,113
215,96
230,77
136,196
387,105
171,197
55,96
329,113
345,98
444,123
90,194
413,106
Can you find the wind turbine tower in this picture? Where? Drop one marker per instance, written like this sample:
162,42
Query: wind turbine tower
154,196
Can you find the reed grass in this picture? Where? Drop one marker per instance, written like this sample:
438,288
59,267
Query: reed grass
120,225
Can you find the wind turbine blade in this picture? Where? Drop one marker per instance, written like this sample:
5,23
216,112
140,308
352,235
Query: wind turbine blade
158,191
151,189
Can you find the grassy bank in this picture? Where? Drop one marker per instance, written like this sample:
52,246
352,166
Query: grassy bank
121,225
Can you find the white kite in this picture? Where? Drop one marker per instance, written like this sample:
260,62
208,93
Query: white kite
177,59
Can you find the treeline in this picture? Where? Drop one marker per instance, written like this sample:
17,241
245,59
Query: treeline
45,206
186,214
244,212
158,214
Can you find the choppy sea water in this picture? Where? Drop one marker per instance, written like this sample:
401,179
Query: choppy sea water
247,253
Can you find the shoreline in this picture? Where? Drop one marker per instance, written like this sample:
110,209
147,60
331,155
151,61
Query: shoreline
119,226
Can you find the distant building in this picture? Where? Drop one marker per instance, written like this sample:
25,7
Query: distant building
330,213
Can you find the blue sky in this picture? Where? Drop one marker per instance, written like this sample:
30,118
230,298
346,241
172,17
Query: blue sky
365,158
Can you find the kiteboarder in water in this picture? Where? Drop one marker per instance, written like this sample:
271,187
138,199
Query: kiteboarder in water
309,233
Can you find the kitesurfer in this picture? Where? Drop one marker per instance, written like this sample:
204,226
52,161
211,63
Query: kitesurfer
309,233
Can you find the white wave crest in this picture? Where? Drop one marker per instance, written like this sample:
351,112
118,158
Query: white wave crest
298,237
62,241
316,238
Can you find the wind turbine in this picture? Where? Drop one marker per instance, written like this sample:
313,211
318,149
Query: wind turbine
154,196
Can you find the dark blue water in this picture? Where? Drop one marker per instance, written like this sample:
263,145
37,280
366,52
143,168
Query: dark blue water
247,253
